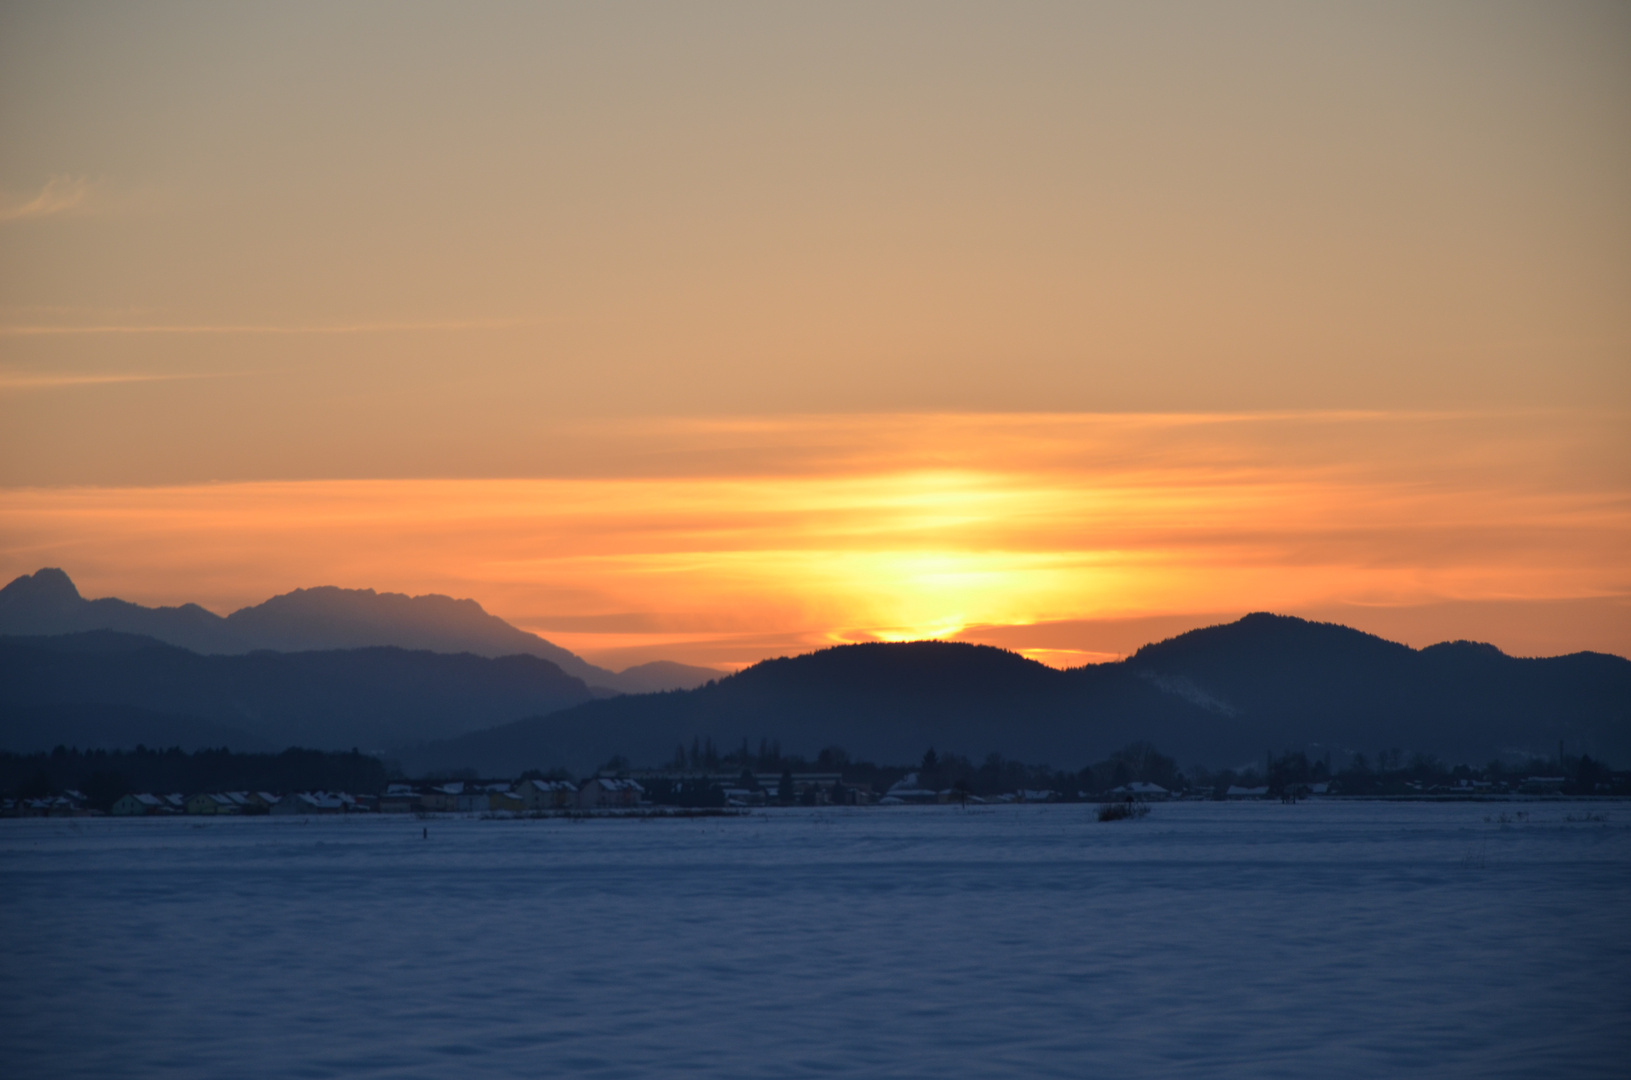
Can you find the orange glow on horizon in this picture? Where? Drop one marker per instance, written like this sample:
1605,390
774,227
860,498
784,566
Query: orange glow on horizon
805,532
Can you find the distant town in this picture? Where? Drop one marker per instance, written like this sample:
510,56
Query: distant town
144,782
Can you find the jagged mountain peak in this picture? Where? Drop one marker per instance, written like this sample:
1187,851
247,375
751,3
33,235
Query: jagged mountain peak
48,585
317,618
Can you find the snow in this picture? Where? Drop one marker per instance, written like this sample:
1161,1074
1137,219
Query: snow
1244,939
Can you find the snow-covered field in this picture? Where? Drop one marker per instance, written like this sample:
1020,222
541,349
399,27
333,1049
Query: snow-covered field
1255,940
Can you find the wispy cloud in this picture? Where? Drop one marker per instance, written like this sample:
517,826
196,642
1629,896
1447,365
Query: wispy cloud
11,380
61,195
264,328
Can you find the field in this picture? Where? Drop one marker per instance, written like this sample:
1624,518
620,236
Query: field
1250,940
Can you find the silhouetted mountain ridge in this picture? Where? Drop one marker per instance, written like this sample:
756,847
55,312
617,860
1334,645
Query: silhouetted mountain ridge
327,617
1221,695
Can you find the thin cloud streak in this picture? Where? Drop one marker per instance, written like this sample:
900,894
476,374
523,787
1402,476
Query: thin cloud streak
60,196
11,381
253,328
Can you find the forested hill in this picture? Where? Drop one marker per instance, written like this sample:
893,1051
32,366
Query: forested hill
1283,680
1222,695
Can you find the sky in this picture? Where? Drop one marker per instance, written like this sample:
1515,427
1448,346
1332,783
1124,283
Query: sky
723,331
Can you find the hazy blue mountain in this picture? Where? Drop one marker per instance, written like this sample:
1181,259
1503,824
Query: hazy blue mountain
660,675
1219,696
47,602
371,698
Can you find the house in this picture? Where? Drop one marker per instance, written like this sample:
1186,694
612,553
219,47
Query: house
908,789
1237,792
213,803
312,802
446,798
547,794
68,804
259,801
292,804
136,805
399,799
607,791
511,801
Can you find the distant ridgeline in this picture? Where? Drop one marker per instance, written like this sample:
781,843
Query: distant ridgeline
48,603
1221,697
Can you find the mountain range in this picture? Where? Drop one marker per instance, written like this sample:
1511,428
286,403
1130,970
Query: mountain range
1223,695
48,602
426,679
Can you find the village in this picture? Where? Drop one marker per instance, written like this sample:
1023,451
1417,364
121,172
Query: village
313,783
536,796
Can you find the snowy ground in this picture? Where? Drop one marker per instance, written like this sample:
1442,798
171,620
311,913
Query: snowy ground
1251,940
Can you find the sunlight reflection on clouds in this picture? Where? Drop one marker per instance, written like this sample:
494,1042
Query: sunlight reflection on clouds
797,532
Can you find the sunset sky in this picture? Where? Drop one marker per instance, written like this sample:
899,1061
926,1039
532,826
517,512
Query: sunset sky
723,331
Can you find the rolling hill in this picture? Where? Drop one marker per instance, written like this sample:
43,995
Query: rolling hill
1219,696
1223,695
